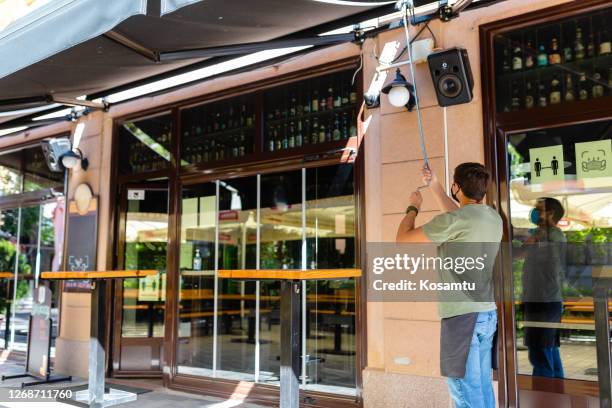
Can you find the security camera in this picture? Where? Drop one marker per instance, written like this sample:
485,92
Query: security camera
54,149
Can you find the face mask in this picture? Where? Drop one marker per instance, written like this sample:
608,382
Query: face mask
454,195
534,216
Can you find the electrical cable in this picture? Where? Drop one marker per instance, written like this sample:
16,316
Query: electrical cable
416,97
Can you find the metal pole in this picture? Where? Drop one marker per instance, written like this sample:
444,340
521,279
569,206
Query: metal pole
290,344
216,284
602,335
257,283
17,254
38,240
96,345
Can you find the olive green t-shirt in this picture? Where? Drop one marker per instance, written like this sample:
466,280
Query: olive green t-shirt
480,226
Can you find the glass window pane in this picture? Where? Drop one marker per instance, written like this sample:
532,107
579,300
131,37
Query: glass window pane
280,248
10,173
237,246
560,195
330,310
146,238
197,268
144,144
9,220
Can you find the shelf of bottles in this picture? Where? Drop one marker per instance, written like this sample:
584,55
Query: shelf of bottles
309,112
556,63
144,144
217,131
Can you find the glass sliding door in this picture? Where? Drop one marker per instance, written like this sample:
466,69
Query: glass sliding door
300,219
560,193
143,299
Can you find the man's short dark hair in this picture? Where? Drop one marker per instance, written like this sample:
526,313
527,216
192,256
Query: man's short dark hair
473,179
554,206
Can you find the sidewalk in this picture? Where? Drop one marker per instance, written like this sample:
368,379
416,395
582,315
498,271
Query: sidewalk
152,394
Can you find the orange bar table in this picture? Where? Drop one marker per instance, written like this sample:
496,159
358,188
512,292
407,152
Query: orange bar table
290,318
95,394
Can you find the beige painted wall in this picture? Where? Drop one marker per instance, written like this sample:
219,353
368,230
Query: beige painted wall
403,338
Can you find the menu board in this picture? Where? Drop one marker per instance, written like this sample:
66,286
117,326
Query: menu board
82,244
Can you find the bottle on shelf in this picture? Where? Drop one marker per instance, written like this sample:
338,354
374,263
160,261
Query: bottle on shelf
278,140
554,57
555,90
322,103
291,141
242,144
197,261
321,133
583,89
578,44
271,138
285,142
542,97
517,59
568,52
330,98
529,96
542,56
353,96
329,130
314,134
590,47
569,95
345,125
346,97
605,44
506,66
516,97
299,135
336,134
293,107
230,118
315,101
529,53
598,85
306,132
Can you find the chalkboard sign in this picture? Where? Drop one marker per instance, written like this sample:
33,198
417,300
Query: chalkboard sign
82,243
39,338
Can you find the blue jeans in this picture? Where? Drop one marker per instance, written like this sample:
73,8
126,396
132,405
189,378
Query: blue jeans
475,389
546,362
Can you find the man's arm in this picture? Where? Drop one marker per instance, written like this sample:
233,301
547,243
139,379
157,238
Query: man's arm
406,231
445,203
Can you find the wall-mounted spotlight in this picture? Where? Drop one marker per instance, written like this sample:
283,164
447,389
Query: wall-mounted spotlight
72,157
400,92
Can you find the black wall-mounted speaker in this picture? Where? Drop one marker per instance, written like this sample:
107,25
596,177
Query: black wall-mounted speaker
452,76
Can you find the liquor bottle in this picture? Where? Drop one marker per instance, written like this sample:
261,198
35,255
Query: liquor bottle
278,141
329,130
554,57
506,67
598,88
529,97
230,118
315,101
322,103
578,44
529,62
291,142
293,108
330,98
314,134
299,110
235,147
345,126
206,152
271,132
322,133
243,116
542,100
222,122
353,96
285,111
555,90
517,59
542,56
583,90
568,52
197,261
569,95
590,48
285,143
336,134
299,136
516,97
242,144
337,100
306,132
346,97
605,45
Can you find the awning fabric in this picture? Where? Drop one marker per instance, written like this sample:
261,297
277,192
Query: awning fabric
70,48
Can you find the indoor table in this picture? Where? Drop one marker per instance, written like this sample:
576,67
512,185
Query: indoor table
290,318
95,394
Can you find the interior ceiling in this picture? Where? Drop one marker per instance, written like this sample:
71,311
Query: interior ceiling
100,64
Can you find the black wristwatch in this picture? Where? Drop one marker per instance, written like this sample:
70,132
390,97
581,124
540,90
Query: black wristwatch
412,208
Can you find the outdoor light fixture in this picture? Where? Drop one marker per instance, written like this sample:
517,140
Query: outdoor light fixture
72,157
400,92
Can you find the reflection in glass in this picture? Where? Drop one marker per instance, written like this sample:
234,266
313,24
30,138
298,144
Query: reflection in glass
144,144
280,248
197,269
10,173
236,304
37,175
330,304
561,232
146,237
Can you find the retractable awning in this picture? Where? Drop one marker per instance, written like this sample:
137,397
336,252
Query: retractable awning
69,48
